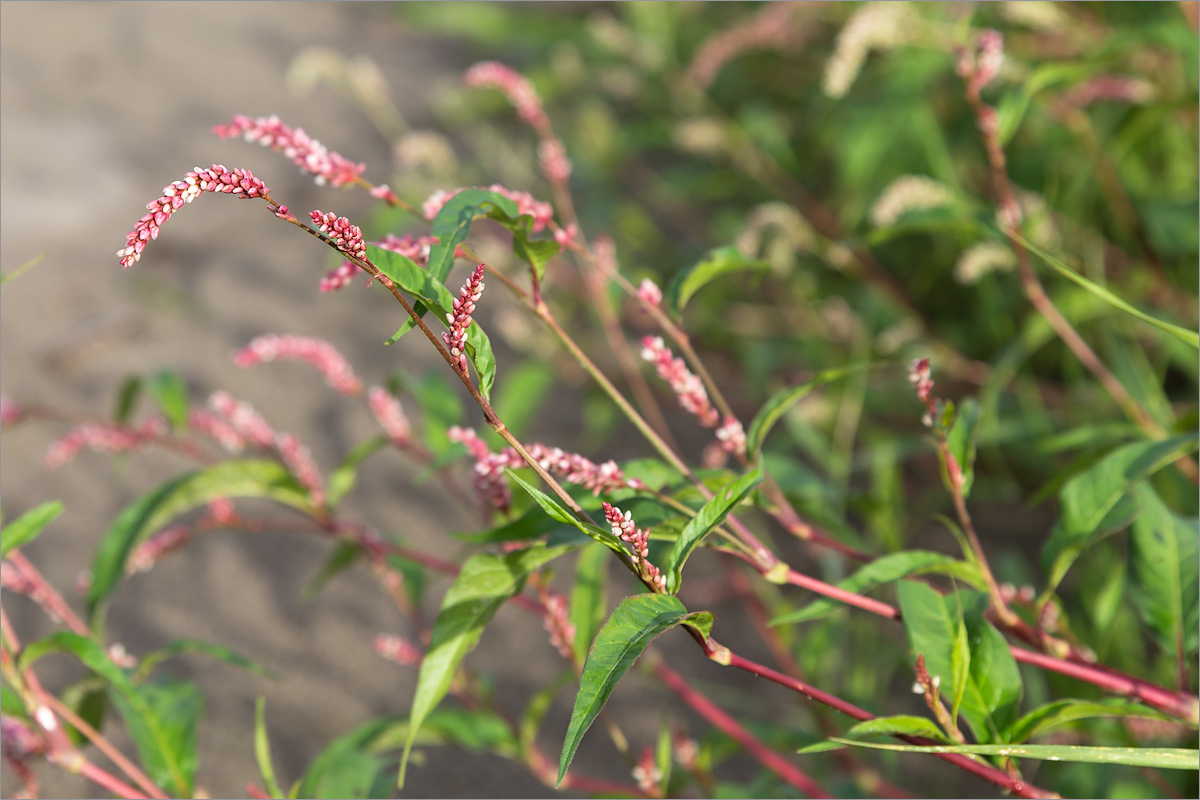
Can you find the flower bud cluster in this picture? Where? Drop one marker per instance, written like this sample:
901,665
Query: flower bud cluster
214,427
638,540
319,353
346,237
517,89
648,292
238,182
99,437
687,387
398,649
772,28
460,318
874,26
542,213
488,479
390,415
557,623
304,151
245,421
299,461
553,161
909,193
980,67
149,552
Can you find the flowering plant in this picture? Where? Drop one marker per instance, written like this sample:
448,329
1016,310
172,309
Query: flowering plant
1007,681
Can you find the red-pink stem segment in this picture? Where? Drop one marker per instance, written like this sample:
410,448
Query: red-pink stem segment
723,722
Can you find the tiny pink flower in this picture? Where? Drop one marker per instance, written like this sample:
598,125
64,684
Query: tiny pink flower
385,194
245,421
460,319
238,182
687,387
390,415
489,480
304,151
732,436
553,161
623,528
317,352
99,437
520,92
152,550
346,237
398,649
646,773
920,374
574,468
648,292
565,236
557,623
299,461
10,412
221,511
339,277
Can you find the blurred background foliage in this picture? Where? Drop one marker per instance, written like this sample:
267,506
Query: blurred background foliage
831,145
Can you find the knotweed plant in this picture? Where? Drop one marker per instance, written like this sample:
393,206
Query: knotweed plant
1008,672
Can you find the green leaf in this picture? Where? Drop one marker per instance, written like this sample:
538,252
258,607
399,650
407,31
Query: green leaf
899,725
884,570
342,558
342,771
1160,757
161,719
182,646
961,440
589,597
636,622
715,263
712,514
473,729
784,399
1094,502
519,397
441,409
27,527
342,481
960,666
1184,335
427,286
163,723
1163,552
557,512
88,698
485,583
11,703
127,397
262,749
170,393
994,683
539,704
149,513
1060,712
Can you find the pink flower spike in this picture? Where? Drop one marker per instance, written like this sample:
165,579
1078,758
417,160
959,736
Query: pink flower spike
316,352
638,539
648,292
557,622
99,437
488,479
304,151
553,161
520,92
732,436
398,649
566,236
390,415
460,319
299,461
346,237
920,374
246,423
151,551
687,387
238,182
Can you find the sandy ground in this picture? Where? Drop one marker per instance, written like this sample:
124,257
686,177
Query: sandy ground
101,105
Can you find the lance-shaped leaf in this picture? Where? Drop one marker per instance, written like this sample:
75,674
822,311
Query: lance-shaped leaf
589,597
784,399
27,527
710,515
485,583
1163,549
1160,757
1060,712
421,283
149,513
555,511
636,622
715,263
170,393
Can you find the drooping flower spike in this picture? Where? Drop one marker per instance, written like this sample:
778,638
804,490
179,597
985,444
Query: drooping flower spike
304,151
319,353
237,182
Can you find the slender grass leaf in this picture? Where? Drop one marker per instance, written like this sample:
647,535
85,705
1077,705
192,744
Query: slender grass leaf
885,570
635,622
27,527
1094,502
589,597
783,400
485,583
712,514
1060,712
170,393
1163,551
341,481
555,511
5,277
127,397
149,513
899,725
1189,337
219,652
718,262
1159,757
262,749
